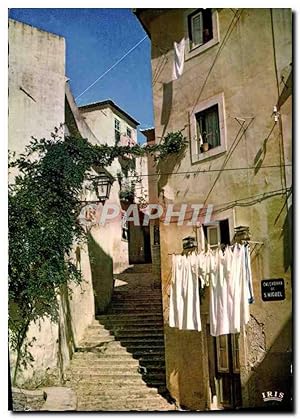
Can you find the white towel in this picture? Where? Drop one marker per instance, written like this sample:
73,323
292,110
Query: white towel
178,59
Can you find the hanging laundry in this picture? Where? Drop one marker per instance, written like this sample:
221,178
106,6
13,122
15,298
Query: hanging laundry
249,275
176,294
191,316
178,59
228,274
229,290
184,309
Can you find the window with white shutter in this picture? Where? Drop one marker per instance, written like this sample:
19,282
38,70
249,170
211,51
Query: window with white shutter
200,27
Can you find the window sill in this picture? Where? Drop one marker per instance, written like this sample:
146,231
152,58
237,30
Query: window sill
205,155
193,52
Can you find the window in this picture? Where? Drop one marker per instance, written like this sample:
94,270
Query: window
201,31
200,27
213,236
125,232
128,132
216,234
208,130
117,130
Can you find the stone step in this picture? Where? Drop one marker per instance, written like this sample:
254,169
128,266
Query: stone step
128,323
94,335
130,296
137,303
123,408
127,327
108,365
135,311
107,362
97,388
112,376
150,307
111,368
116,349
150,404
129,317
128,342
137,392
117,357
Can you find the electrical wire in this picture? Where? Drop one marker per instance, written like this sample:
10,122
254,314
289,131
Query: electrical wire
195,172
236,203
113,66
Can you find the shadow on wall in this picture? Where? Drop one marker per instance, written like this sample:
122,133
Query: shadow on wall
262,152
273,374
168,166
287,239
102,275
166,105
66,341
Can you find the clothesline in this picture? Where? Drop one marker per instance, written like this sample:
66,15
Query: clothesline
245,242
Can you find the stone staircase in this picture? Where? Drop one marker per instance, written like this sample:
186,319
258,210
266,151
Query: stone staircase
120,363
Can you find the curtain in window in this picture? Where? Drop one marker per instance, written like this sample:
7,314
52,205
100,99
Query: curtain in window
212,128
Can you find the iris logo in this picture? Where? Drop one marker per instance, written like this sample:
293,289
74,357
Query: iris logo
272,396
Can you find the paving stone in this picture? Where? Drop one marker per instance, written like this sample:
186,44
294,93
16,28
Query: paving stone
60,399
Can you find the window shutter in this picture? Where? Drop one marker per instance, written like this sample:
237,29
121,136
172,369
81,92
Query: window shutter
222,353
213,236
235,353
197,29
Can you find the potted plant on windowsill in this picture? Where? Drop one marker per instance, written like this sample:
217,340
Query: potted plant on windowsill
205,145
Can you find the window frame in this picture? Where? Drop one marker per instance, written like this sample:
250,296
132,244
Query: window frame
196,155
221,235
117,130
129,130
213,227
205,113
192,51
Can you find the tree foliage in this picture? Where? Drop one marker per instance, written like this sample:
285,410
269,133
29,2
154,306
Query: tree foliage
43,224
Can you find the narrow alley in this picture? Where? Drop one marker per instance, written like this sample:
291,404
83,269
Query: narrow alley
120,363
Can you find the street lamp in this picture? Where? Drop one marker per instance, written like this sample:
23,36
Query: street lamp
102,184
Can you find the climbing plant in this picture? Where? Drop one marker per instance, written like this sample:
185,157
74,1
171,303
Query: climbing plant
43,223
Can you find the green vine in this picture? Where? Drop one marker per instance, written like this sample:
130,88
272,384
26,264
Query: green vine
43,224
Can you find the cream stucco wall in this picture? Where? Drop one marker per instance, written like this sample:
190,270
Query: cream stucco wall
241,68
37,65
101,123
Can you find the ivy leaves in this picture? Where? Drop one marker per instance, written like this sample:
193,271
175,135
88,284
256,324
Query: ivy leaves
43,225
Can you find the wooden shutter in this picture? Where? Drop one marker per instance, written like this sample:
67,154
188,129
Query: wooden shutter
235,353
197,29
222,353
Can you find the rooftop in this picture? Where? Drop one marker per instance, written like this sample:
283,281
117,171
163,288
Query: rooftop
109,102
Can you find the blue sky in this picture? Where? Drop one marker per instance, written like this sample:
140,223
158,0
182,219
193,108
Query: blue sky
95,40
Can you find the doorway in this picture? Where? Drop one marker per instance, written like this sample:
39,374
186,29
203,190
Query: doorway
139,243
224,371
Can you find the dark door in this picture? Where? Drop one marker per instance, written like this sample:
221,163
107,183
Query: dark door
228,370
139,244
224,371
